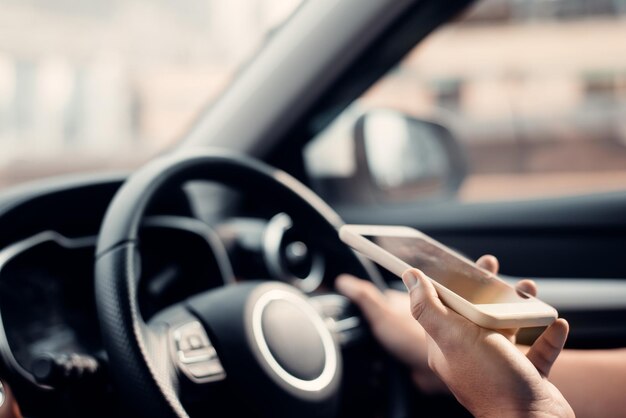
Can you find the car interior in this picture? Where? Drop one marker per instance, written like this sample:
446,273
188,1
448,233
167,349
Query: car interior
201,283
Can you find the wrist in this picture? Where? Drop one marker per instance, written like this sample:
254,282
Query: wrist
541,410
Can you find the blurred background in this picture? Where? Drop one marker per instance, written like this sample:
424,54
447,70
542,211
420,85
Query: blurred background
534,90
90,84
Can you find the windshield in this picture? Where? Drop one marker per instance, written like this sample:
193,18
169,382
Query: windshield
90,85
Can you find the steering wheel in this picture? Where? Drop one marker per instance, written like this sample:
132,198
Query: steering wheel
264,338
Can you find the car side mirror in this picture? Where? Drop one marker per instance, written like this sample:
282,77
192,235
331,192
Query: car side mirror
400,158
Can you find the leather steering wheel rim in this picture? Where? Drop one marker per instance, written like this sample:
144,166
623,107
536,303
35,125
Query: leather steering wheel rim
137,363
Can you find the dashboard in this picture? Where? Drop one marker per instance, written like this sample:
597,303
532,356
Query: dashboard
49,335
47,308
43,283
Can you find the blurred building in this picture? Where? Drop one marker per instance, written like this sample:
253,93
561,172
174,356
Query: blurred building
520,81
83,79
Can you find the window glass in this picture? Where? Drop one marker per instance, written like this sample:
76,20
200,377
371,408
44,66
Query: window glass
534,91
106,84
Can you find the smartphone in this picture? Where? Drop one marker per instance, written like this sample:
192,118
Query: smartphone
471,291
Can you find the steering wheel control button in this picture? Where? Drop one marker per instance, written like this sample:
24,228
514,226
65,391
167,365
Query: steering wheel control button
197,357
192,343
195,342
205,369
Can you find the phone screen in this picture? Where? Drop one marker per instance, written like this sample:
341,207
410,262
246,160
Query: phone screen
462,277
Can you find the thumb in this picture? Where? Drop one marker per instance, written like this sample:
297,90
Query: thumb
548,346
426,306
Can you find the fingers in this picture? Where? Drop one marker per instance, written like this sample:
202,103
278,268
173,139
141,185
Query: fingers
489,263
527,286
364,294
398,301
426,306
548,346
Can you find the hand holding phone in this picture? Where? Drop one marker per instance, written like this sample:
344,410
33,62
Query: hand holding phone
471,291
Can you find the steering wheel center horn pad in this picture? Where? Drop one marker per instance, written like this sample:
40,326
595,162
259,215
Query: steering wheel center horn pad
263,339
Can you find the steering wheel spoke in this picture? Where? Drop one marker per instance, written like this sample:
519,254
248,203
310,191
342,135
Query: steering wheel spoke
190,350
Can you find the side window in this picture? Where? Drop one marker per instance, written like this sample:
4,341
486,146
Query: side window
527,99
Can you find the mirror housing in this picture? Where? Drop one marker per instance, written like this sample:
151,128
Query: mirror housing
403,159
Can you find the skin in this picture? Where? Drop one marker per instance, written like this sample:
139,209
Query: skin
482,368
9,408
593,381
602,371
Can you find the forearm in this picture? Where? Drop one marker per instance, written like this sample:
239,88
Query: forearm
592,381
